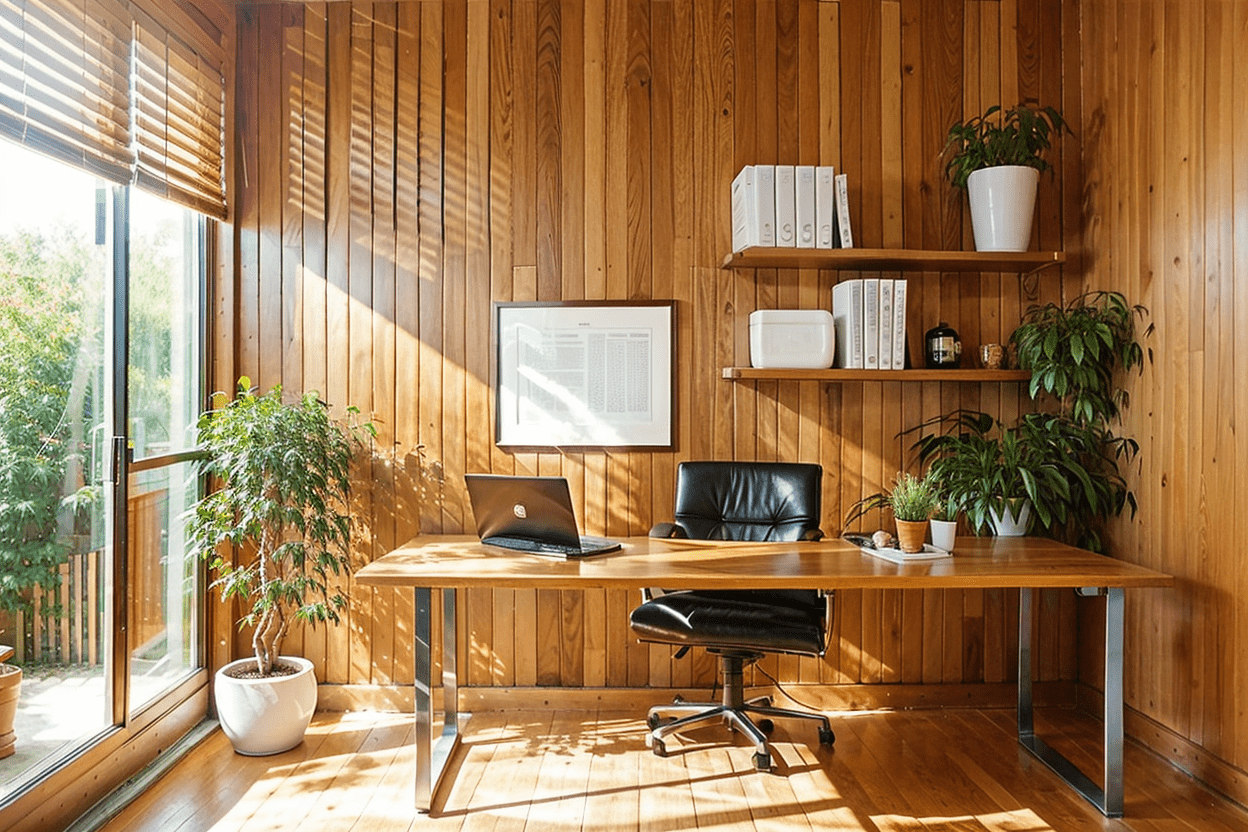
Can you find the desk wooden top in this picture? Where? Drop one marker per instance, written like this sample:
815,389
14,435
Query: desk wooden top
978,562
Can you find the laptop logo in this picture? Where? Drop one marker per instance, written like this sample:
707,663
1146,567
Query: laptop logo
518,510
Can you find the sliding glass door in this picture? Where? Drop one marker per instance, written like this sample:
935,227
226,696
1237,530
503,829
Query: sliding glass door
101,355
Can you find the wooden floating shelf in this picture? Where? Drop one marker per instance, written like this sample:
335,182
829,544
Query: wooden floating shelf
780,374
893,259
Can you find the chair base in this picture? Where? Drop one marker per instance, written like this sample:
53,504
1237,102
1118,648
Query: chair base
734,711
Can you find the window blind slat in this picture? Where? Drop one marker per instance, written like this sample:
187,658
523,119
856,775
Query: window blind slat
179,118
66,85
131,90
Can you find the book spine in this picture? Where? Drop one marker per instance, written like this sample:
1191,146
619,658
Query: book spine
871,323
786,209
899,323
804,206
744,222
765,204
825,206
886,323
842,211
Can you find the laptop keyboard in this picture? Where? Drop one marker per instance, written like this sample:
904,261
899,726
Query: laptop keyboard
523,544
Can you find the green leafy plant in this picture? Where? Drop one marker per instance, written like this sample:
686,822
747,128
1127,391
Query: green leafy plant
913,498
283,475
1017,136
1074,350
948,508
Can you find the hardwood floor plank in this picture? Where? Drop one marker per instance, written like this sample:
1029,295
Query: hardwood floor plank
951,770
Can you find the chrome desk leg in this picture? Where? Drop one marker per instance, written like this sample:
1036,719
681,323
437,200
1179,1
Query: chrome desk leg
432,757
1110,799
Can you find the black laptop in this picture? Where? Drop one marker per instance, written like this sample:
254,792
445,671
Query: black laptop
530,514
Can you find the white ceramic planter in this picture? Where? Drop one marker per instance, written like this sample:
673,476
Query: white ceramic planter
1002,201
1006,524
265,716
943,534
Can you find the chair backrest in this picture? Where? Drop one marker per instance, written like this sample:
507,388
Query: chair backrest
749,500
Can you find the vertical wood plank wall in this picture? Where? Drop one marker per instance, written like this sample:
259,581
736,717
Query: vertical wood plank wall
399,166
1166,222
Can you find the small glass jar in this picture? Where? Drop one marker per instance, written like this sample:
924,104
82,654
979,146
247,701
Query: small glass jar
942,349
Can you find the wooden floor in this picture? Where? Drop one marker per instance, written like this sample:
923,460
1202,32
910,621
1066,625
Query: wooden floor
580,770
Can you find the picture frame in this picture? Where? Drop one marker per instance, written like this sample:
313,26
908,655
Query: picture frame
584,374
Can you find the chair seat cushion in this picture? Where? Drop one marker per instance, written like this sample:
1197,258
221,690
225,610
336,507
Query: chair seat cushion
747,620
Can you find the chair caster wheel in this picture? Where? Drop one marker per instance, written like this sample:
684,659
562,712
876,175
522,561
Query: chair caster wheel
678,699
659,748
826,737
654,721
762,762
766,726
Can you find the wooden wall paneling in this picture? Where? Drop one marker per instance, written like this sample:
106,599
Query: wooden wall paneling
337,243
270,147
359,348
606,179
287,108
406,453
478,334
384,335
246,202
1237,300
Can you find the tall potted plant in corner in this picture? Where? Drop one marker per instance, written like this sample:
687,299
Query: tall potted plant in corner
275,531
998,158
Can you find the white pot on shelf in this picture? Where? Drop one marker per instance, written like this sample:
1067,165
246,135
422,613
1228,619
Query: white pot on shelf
1012,519
943,534
1003,199
268,715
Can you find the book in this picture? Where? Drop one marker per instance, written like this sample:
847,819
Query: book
886,323
846,234
871,323
786,209
899,323
847,323
825,206
804,206
753,207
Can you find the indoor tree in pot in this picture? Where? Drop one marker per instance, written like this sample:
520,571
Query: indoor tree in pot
998,158
282,477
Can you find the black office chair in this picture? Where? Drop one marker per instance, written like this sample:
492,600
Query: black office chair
738,501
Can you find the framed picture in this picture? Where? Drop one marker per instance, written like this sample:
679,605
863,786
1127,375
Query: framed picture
584,374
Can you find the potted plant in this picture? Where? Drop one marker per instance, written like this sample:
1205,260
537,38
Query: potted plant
1074,353
999,475
281,471
913,500
10,690
945,521
998,157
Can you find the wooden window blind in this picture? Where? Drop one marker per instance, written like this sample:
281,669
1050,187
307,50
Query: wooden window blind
64,81
130,90
179,118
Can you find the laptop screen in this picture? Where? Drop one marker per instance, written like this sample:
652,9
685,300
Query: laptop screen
534,508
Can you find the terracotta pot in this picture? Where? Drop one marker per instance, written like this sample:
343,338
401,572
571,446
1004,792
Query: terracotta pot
10,689
267,715
910,535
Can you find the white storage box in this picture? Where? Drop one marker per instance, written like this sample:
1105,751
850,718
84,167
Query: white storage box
794,338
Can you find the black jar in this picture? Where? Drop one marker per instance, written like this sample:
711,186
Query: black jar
941,348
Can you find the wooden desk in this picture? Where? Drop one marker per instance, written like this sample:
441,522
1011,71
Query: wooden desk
449,562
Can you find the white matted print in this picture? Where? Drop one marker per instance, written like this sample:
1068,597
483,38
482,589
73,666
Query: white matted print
585,374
